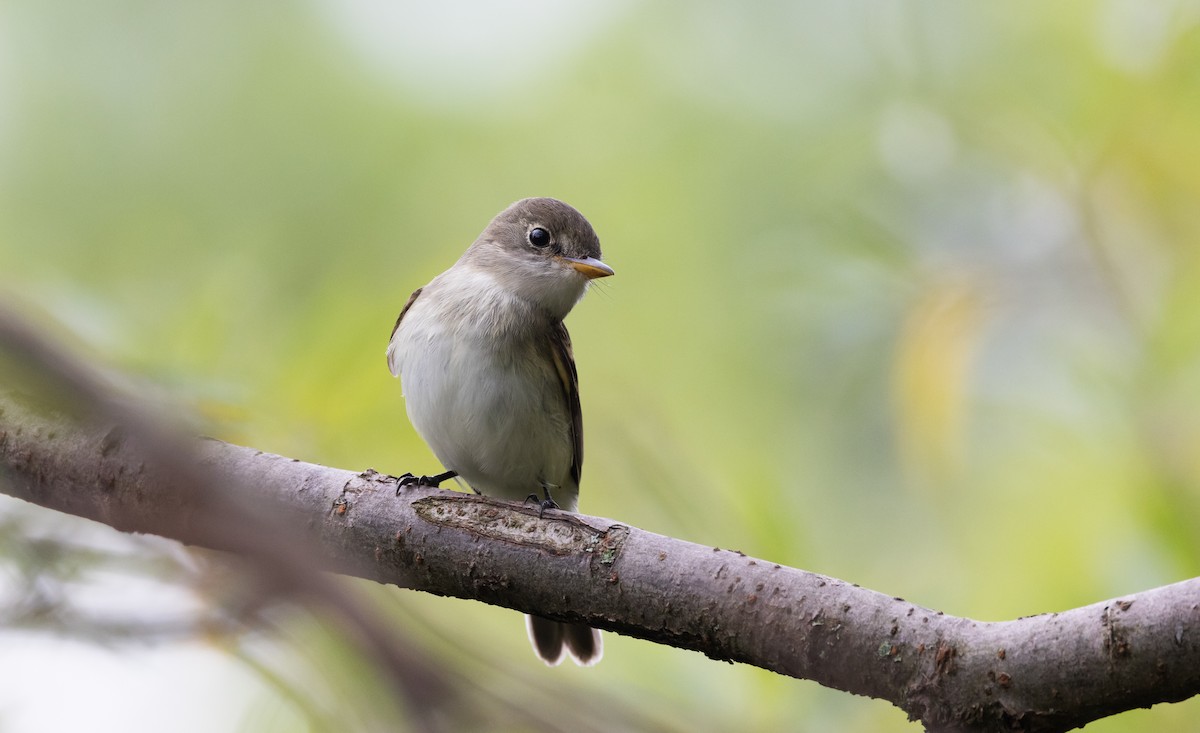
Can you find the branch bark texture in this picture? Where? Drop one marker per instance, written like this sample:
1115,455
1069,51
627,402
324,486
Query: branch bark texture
1043,673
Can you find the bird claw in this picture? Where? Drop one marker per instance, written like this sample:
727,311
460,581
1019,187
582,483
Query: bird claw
543,504
409,480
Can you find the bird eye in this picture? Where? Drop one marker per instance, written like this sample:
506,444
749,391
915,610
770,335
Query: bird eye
539,237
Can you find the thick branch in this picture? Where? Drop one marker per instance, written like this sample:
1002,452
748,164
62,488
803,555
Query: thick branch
1047,672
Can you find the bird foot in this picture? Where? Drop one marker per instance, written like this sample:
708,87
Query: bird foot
408,480
543,504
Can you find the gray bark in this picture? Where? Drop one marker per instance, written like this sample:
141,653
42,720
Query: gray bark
1043,673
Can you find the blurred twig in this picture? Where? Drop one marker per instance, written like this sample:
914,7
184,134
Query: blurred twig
225,514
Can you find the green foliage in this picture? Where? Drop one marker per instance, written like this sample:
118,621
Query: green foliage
905,294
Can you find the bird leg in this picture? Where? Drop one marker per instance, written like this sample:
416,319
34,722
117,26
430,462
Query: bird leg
432,481
545,503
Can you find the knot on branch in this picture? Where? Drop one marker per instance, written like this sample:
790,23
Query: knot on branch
557,533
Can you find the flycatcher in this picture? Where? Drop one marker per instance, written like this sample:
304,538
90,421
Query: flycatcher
488,375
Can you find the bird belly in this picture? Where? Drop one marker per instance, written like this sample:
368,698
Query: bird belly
500,423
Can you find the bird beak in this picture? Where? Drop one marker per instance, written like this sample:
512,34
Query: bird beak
589,267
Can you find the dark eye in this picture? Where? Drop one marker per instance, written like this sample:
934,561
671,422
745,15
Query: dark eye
539,237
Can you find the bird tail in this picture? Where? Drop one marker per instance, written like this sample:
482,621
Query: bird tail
551,639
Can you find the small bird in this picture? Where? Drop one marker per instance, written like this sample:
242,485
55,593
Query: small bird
489,379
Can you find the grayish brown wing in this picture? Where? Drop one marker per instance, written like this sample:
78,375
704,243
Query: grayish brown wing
411,299
392,356
564,364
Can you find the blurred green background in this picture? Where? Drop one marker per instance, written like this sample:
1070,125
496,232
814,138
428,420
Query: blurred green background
906,294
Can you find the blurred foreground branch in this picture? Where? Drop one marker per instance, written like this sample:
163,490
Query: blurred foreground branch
1043,673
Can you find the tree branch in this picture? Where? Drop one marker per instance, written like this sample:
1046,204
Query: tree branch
1042,673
